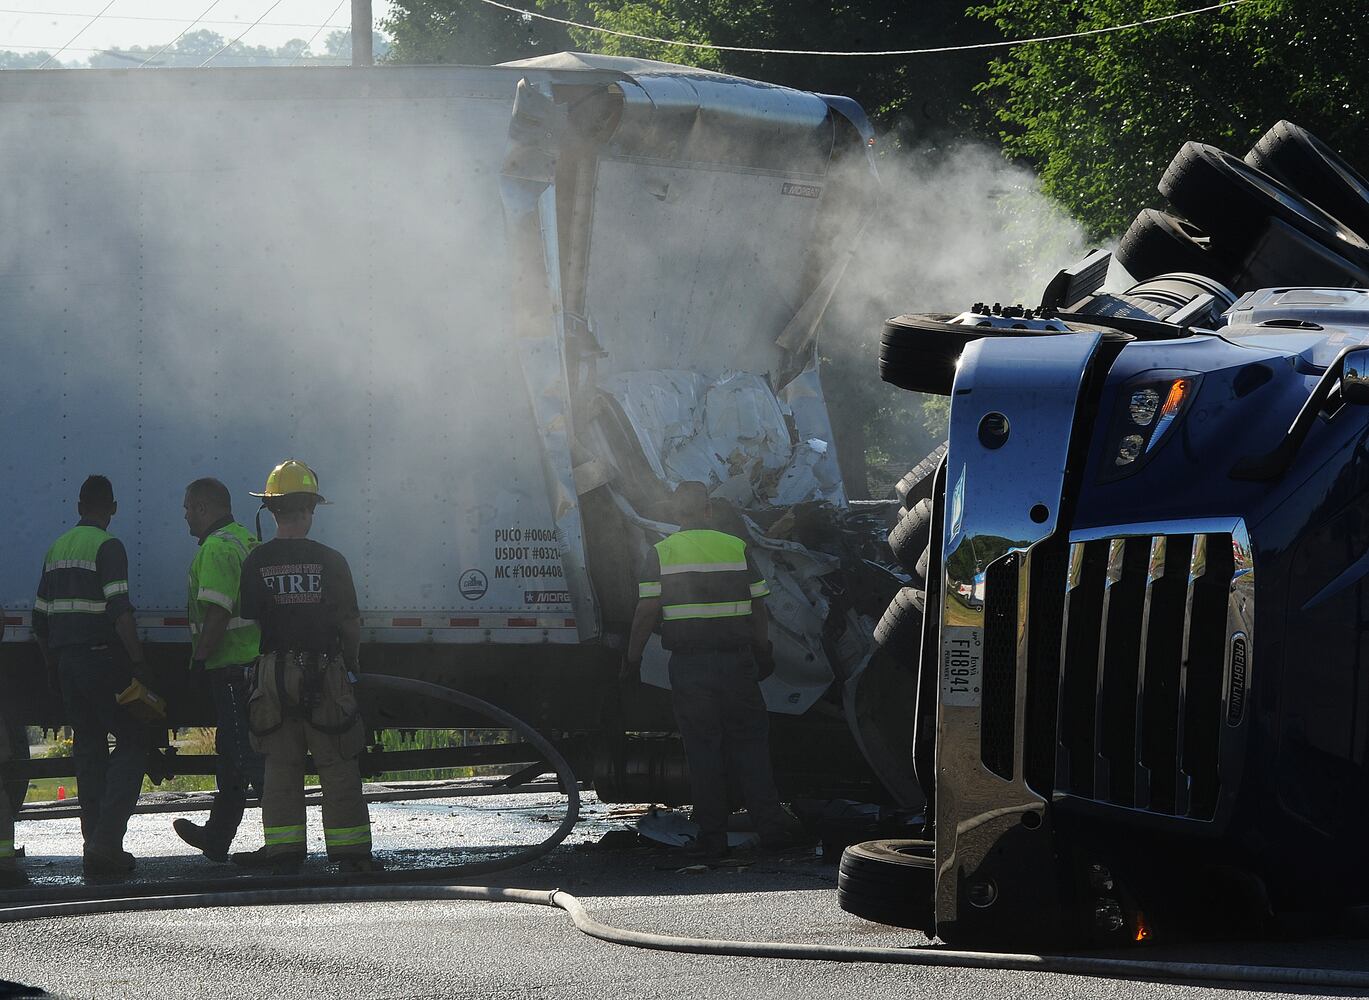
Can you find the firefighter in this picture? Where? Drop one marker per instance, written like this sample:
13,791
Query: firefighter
11,874
225,647
83,620
704,590
301,594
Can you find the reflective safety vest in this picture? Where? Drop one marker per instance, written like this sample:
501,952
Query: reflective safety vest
84,588
706,581
214,577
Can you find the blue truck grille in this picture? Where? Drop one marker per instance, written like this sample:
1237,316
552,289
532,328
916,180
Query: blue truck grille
999,712
1140,662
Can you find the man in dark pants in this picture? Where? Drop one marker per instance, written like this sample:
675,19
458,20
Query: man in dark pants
225,647
83,620
703,588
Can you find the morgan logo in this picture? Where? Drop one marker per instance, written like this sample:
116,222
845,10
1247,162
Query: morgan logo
802,190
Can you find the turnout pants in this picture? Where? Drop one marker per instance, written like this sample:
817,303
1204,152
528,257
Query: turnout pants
107,783
726,732
305,702
239,767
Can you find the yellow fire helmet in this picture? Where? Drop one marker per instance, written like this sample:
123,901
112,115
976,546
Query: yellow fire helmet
290,477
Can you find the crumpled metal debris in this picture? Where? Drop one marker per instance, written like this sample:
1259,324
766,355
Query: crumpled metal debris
733,433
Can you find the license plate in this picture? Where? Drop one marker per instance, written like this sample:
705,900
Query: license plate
962,665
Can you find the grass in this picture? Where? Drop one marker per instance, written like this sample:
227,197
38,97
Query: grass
200,740
45,789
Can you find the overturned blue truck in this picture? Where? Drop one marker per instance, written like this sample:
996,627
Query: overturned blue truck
1139,651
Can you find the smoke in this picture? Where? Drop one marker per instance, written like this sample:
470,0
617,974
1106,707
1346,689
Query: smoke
955,226
204,276
958,227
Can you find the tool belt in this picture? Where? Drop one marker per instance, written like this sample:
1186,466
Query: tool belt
322,695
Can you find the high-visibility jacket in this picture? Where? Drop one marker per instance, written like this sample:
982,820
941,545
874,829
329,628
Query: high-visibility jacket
214,578
84,588
706,581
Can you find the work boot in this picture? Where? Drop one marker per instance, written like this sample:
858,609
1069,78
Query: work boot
347,865
198,837
264,862
13,878
106,864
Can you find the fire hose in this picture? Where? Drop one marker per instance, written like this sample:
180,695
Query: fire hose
400,886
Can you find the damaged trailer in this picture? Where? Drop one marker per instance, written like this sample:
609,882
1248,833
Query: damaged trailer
1141,677
502,311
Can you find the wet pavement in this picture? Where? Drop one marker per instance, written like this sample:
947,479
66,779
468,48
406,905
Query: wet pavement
413,834
416,950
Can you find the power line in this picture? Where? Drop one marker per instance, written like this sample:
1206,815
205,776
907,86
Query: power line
78,34
212,5
310,44
174,20
536,15
240,37
118,53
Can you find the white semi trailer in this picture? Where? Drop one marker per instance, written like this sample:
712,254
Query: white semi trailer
500,310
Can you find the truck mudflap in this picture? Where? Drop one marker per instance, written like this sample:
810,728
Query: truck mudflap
1013,415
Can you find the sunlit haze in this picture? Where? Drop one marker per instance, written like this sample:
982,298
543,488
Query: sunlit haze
49,24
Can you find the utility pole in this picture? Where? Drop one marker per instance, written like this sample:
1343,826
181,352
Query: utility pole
363,53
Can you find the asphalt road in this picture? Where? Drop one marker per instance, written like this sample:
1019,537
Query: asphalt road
485,950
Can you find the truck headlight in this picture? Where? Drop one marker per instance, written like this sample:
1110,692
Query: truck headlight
1149,407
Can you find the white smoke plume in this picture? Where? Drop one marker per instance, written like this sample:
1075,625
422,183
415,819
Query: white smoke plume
955,226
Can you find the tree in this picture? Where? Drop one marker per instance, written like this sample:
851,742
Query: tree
338,45
468,33
196,47
929,95
22,60
1101,117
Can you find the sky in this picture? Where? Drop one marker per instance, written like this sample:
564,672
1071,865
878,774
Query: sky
29,25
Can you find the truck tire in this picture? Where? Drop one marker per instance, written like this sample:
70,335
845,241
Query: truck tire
1231,201
1314,170
917,482
909,536
920,354
923,562
900,627
1159,243
889,882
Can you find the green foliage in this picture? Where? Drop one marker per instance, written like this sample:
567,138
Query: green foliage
432,739
929,94
686,20
1101,117
22,60
195,47
467,33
